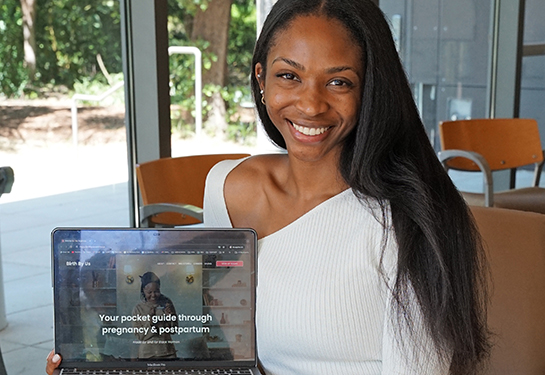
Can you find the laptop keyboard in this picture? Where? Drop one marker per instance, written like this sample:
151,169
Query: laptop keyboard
158,372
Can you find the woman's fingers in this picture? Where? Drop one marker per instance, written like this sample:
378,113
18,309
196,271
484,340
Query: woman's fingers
53,361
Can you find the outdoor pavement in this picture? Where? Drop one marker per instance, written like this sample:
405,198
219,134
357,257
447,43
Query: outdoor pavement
25,227
25,238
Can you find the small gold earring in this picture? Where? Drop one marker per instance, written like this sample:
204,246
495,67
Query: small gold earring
262,97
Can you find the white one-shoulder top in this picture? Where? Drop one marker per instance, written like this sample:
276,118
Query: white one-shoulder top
323,297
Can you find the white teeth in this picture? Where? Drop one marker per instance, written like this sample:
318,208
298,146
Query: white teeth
309,131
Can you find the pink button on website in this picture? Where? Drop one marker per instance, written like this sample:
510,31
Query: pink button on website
227,263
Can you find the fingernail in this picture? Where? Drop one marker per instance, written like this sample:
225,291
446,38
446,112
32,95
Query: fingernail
56,358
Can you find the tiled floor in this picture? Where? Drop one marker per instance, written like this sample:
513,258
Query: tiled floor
25,228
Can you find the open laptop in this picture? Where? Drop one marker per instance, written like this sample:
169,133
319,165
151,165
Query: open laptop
161,301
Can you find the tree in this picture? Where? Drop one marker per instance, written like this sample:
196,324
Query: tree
212,24
28,8
196,23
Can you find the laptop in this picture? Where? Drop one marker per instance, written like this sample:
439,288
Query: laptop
158,301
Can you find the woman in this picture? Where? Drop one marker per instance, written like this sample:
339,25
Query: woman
366,248
369,261
156,305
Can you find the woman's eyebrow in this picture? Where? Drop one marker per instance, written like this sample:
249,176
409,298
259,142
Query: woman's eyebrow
296,65
292,63
338,69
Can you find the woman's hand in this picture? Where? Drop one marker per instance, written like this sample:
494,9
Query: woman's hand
169,309
53,361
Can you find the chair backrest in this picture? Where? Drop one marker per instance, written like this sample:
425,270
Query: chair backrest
177,180
515,244
504,143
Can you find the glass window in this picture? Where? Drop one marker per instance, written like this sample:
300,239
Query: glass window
532,96
445,48
212,68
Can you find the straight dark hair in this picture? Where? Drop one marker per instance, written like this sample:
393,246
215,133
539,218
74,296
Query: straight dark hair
388,157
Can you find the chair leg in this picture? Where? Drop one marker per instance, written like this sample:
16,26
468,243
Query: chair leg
512,178
537,173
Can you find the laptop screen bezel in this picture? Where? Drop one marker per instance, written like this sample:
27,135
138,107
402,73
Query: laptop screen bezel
157,363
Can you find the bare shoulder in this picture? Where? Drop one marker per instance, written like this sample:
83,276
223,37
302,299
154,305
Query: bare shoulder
247,184
253,173
254,167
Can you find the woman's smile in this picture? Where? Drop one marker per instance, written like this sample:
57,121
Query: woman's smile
310,131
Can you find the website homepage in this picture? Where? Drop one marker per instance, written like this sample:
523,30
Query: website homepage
117,300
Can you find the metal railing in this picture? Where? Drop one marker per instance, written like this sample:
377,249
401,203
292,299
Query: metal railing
198,80
90,98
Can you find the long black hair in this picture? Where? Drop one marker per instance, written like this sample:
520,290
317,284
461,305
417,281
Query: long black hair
388,157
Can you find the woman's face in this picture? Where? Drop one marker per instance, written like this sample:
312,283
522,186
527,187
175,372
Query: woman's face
152,292
313,86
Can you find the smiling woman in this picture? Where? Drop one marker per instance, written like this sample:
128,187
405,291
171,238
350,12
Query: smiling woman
369,261
363,238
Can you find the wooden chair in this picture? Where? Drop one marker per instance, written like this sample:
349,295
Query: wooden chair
172,189
489,145
515,245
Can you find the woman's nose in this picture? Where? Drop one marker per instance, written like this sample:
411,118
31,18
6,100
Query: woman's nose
312,100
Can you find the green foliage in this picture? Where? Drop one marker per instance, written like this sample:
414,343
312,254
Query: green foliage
13,76
69,36
242,37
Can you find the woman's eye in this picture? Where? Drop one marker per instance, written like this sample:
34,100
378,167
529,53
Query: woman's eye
339,82
289,76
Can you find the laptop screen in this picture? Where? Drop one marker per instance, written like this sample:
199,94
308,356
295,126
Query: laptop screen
139,296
